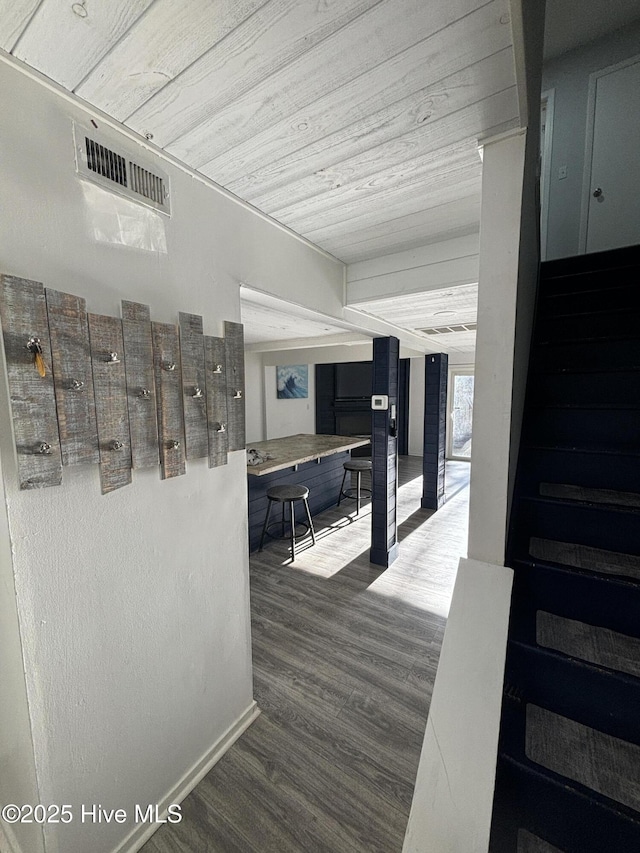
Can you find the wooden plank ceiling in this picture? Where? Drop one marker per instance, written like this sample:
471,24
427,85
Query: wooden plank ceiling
353,122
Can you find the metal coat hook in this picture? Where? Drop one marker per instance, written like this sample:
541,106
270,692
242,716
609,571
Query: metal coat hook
221,428
44,448
113,358
174,445
116,445
197,393
169,365
218,368
237,395
144,394
76,385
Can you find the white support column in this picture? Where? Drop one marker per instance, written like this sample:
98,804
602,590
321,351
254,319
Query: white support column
502,182
452,804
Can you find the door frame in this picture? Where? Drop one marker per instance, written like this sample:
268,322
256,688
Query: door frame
547,98
455,370
588,147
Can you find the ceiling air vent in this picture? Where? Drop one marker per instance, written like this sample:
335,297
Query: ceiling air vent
447,330
100,162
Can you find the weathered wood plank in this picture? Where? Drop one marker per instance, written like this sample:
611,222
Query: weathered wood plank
65,42
166,365
141,386
193,385
152,59
14,15
23,312
392,25
405,232
418,129
436,167
271,39
464,43
391,203
234,349
110,388
217,415
73,380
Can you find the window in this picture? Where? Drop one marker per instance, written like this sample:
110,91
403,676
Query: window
460,413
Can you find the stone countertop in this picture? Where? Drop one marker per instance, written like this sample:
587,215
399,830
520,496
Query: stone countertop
296,449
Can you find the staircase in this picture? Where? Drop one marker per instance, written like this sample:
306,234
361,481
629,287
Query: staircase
568,775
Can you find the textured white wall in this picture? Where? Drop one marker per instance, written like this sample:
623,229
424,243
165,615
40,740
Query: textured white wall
133,607
289,417
254,397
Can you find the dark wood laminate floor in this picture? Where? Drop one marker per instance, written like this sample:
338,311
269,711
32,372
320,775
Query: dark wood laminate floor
345,655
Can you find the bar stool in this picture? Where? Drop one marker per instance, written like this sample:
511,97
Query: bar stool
288,494
356,466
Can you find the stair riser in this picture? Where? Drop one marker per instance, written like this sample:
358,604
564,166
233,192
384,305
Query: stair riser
591,526
591,470
583,429
585,388
589,294
612,324
599,355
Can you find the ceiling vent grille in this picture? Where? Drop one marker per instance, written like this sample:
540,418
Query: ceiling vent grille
117,171
447,330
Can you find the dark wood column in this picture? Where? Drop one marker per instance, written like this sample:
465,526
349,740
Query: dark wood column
435,430
384,455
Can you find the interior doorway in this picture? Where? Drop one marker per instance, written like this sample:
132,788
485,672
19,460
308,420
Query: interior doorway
610,200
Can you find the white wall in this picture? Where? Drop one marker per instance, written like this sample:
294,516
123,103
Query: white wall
254,397
133,607
569,76
416,406
289,417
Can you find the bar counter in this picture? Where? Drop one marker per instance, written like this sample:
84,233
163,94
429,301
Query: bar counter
314,461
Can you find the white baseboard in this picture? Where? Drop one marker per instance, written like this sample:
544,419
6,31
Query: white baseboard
141,833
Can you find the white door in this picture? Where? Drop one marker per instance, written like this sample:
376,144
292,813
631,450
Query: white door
612,194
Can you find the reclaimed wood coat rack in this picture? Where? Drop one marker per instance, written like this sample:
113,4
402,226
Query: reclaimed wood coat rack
124,393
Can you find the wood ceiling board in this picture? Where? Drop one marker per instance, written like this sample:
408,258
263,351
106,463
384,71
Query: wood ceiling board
401,206
275,36
266,324
420,310
406,232
433,58
14,17
389,27
426,191
408,172
65,46
391,291
427,121
160,45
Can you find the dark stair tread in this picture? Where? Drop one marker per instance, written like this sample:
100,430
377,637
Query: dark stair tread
595,449
571,817
586,494
587,406
594,696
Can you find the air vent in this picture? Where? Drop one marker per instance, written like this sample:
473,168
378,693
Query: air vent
99,161
448,330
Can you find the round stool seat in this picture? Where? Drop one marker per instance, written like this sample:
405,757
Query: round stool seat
288,493
357,465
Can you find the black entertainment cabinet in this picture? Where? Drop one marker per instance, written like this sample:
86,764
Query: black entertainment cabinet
343,401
